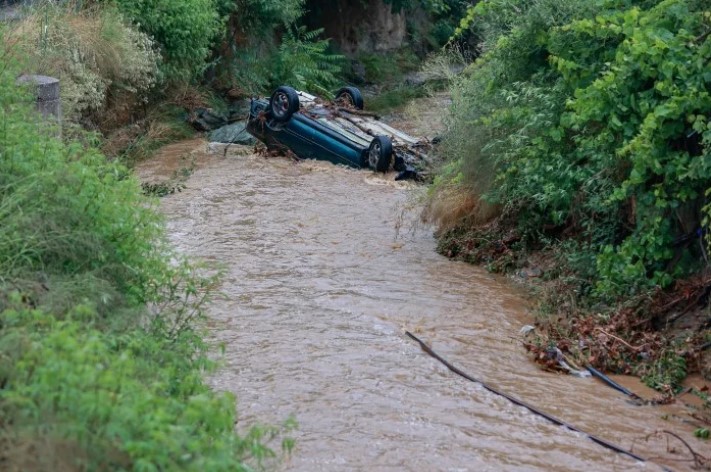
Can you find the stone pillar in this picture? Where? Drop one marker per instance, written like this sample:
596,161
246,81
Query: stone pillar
47,98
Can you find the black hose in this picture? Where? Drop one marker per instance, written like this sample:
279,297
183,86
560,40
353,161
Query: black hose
612,383
529,407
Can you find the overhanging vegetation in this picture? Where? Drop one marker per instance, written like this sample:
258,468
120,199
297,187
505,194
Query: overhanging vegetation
583,131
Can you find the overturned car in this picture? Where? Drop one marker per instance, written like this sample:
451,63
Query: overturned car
338,131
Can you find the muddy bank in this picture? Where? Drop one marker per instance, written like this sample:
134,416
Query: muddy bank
325,269
660,336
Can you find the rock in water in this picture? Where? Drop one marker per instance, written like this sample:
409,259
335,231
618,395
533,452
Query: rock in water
206,119
238,110
235,133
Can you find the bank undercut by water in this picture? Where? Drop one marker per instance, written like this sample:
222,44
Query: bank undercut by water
579,153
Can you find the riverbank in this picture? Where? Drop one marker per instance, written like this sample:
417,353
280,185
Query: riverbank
661,339
584,173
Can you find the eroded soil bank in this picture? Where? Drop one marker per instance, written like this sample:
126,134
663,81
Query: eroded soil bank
326,268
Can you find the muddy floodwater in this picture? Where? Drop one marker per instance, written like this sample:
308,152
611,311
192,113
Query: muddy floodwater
325,269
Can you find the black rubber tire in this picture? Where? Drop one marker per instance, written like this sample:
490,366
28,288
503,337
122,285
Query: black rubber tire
380,153
283,103
350,96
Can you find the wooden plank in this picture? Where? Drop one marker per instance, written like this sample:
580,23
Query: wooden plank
306,100
363,124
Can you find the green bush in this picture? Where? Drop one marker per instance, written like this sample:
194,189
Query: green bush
260,18
589,120
185,31
247,60
666,373
270,49
654,100
303,62
101,355
118,402
72,219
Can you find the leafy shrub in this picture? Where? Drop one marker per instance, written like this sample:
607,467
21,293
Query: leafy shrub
68,215
90,377
116,401
185,31
66,212
654,99
666,373
269,49
588,119
303,62
260,18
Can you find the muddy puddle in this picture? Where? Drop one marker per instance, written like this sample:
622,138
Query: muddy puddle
325,268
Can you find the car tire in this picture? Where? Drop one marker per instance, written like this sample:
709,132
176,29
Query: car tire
351,96
380,153
283,103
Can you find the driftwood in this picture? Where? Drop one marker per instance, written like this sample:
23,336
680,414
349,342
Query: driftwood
698,459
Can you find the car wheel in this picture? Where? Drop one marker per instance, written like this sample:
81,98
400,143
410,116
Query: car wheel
284,103
380,154
350,97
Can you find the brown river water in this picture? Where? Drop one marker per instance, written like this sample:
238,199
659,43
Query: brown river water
325,269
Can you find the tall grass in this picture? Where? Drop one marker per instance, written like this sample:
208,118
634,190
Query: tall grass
105,65
459,195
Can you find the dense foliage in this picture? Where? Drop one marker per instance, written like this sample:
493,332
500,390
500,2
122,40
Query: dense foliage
185,31
90,377
441,16
304,61
587,122
268,47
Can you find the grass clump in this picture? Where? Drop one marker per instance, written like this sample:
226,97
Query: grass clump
395,98
105,66
162,125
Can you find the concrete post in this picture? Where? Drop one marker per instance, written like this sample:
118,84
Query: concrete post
47,95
